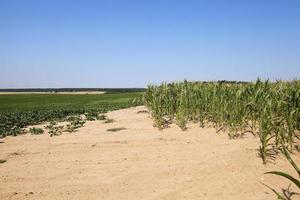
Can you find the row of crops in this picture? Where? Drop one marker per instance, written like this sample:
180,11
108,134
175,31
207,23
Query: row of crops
21,110
13,122
269,110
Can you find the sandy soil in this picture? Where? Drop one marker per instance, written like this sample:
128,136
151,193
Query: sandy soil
139,162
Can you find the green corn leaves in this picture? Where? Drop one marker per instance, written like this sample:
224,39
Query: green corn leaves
287,194
269,110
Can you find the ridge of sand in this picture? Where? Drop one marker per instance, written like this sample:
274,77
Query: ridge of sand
139,162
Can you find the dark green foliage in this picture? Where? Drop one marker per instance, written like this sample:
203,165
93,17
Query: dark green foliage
54,129
20,110
75,122
92,115
36,131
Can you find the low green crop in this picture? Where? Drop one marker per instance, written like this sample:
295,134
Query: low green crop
75,122
36,131
54,129
21,110
91,115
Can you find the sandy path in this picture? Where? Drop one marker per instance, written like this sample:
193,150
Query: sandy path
137,163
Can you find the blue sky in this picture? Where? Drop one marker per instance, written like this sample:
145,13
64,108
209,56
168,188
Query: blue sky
131,43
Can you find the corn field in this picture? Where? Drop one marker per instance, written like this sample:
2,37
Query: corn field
269,110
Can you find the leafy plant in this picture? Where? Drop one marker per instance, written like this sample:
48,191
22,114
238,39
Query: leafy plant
75,122
36,131
54,129
91,115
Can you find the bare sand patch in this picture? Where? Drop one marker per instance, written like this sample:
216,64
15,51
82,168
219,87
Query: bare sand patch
139,162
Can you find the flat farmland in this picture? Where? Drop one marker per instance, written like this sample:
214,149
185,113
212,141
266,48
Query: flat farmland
12,102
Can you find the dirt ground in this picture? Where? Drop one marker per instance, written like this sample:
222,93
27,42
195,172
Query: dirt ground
139,162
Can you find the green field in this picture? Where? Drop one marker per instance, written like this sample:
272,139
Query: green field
21,102
20,110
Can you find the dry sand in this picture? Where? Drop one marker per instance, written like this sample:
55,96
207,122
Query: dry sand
137,163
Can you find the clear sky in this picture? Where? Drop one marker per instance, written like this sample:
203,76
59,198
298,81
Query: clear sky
131,43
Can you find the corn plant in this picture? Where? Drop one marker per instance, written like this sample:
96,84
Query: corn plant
269,110
13,119
286,193
91,115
